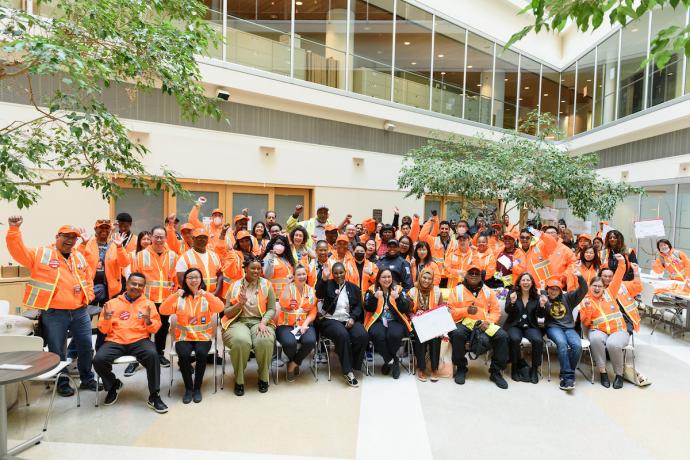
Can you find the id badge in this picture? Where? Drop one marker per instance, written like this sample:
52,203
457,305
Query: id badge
385,321
140,315
76,289
203,320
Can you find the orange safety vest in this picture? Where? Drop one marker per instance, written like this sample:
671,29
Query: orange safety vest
439,255
433,266
626,300
281,270
200,307
455,262
160,277
675,264
367,280
208,273
603,314
312,272
45,276
296,306
113,263
370,318
264,286
487,304
434,299
233,270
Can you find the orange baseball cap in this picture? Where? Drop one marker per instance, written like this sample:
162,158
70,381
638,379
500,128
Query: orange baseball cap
472,266
200,232
187,226
103,223
513,235
343,238
586,236
217,211
369,224
330,228
554,281
496,226
242,234
69,229
240,217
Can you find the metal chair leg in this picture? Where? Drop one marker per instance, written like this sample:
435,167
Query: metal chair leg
50,406
591,362
26,394
328,360
172,364
76,387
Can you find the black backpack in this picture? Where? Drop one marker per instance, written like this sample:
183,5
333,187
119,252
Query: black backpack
480,342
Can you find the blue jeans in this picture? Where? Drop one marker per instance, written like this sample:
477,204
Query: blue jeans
569,347
56,324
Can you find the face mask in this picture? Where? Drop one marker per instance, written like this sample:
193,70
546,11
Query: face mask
461,230
359,256
279,249
665,250
217,220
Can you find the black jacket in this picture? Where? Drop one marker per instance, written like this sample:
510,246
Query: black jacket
326,292
517,309
402,302
400,269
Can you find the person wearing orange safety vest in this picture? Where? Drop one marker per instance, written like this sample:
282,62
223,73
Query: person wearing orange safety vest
473,305
533,255
422,260
671,261
294,321
364,271
128,322
456,263
186,230
279,265
486,261
508,227
298,246
386,307
61,285
562,258
610,324
247,324
233,259
342,254
241,223
316,226
442,246
410,228
424,297
105,261
158,264
194,309
203,258
214,227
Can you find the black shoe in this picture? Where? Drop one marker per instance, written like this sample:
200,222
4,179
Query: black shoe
163,361
515,375
111,397
91,385
395,369
64,388
534,375
524,374
239,389
213,358
157,404
351,379
263,386
618,382
197,396
498,379
386,369
569,385
563,385
604,379
187,398
460,377
131,369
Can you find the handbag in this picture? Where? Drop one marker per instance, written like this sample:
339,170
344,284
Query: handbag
480,342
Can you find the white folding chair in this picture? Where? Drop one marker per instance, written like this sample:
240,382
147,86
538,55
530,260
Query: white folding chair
10,343
4,307
212,352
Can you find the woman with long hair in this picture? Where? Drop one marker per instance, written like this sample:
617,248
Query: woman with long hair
589,264
615,244
143,241
522,307
424,297
370,246
279,263
299,248
406,247
421,259
194,308
260,233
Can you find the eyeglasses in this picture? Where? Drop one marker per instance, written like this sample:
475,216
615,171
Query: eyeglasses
68,236
193,277
157,237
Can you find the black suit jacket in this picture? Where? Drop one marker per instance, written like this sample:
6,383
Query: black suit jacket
325,290
516,310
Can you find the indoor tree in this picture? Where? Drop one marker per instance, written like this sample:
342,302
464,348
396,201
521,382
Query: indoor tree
71,136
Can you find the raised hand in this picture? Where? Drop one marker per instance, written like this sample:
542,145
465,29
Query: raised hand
394,294
180,292
15,221
171,219
119,239
224,230
378,294
325,272
85,237
298,209
396,210
543,300
513,297
619,257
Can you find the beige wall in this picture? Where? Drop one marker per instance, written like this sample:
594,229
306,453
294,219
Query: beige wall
360,203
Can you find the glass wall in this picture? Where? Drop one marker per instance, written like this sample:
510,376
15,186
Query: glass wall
585,92
412,55
566,112
607,78
529,89
505,88
321,42
372,39
449,68
550,85
665,84
682,234
633,52
478,91
658,203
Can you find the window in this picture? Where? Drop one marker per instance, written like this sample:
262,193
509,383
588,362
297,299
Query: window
665,84
682,234
550,83
566,108
184,206
607,71
478,92
529,89
449,68
585,92
146,210
633,53
505,88
412,56
656,204
431,204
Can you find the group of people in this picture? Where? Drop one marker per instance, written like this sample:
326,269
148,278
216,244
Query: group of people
354,284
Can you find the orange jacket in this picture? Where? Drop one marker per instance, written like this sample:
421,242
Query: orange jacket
461,299
234,292
233,269
433,266
56,282
369,273
159,270
312,272
676,263
438,253
486,261
626,300
561,260
279,279
414,231
604,313
212,229
178,246
114,262
126,326
209,271
194,315
456,265
588,273
535,260
296,306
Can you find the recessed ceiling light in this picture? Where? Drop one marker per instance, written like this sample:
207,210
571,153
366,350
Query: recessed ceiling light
546,94
526,87
589,80
406,43
563,101
469,66
413,63
443,73
441,55
298,3
634,29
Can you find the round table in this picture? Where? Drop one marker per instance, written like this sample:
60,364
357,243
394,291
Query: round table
18,325
40,362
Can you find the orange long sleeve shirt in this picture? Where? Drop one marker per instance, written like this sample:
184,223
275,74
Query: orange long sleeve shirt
461,299
127,326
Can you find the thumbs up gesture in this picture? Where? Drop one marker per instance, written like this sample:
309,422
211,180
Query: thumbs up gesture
513,297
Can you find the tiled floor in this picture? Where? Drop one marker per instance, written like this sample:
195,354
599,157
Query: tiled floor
383,419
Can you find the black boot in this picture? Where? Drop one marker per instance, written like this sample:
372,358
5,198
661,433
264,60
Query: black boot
534,374
618,382
604,379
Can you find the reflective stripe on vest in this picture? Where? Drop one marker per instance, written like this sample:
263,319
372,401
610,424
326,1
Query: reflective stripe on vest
371,318
297,316
264,286
198,331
